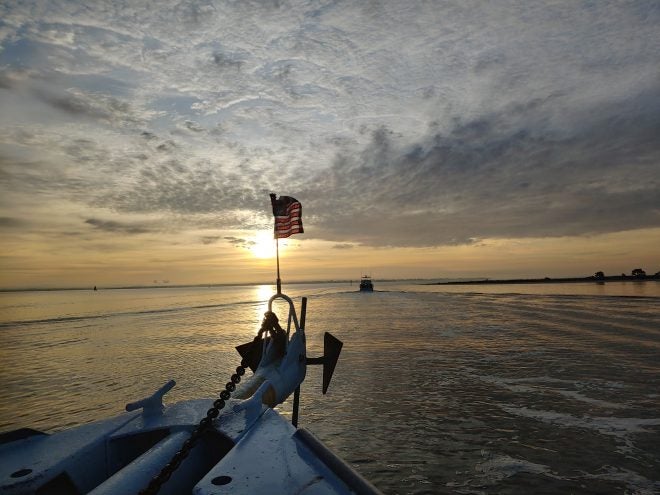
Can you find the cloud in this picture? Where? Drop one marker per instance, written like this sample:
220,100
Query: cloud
403,125
210,239
11,222
114,226
239,242
229,60
193,126
6,82
507,174
97,106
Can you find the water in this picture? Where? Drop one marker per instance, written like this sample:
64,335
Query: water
461,389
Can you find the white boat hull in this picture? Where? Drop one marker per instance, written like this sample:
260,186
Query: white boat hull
265,454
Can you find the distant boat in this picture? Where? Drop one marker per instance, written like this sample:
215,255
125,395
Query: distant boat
95,287
366,284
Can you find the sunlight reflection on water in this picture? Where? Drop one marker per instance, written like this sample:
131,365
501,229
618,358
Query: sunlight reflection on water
262,293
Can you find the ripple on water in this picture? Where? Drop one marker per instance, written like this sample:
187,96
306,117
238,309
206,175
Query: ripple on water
434,392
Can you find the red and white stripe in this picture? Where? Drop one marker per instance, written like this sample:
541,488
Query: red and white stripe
291,223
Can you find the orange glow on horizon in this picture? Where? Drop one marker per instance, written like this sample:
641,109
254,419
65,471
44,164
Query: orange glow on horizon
112,261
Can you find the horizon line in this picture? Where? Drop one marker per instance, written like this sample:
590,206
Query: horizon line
327,281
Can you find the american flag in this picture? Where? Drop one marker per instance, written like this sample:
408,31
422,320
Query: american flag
288,213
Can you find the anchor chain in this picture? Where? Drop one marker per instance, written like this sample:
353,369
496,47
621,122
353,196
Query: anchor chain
268,325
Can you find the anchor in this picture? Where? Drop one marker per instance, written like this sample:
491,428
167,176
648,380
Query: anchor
331,350
253,352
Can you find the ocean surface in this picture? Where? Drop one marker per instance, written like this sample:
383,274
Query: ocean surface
544,388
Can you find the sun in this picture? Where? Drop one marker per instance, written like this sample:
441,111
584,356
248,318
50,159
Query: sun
263,244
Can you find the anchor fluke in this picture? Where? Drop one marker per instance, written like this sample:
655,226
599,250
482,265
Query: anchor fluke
252,352
331,350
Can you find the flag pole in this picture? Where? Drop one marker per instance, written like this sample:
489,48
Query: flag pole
287,212
277,252
273,201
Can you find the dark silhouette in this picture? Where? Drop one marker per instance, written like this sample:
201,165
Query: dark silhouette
599,277
638,273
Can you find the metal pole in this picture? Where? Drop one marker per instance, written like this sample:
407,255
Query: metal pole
277,251
296,393
296,406
303,312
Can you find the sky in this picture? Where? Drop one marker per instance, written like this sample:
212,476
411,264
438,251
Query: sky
438,139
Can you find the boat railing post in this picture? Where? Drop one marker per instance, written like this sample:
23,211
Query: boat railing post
296,392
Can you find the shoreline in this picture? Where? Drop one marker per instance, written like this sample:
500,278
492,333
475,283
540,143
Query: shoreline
417,281
547,280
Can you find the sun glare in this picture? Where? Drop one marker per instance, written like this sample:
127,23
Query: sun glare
264,244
